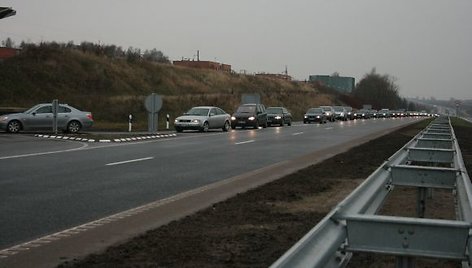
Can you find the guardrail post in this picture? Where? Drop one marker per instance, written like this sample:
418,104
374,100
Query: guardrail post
421,201
405,262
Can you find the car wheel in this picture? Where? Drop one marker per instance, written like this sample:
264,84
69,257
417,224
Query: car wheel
73,126
289,123
226,126
256,126
14,126
265,125
178,129
205,127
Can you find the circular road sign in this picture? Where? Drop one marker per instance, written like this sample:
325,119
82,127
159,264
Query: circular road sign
153,103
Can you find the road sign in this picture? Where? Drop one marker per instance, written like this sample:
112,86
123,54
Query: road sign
153,104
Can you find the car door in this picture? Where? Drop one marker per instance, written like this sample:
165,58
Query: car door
213,118
41,118
63,116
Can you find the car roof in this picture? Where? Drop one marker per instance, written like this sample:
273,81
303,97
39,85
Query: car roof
208,107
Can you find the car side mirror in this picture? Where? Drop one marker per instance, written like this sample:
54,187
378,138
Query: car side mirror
212,114
34,113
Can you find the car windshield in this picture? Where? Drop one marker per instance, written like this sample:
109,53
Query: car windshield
246,109
315,110
338,109
198,111
325,108
274,110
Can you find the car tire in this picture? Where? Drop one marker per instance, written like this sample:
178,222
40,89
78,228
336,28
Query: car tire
226,126
256,125
265,125
14,126
205,127
289,123
178,129
74,126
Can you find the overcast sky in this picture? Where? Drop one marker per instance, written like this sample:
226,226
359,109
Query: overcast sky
425,44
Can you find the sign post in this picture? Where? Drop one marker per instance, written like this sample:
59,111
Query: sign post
55,110
153,104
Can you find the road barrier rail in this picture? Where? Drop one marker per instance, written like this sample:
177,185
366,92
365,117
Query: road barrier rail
432,159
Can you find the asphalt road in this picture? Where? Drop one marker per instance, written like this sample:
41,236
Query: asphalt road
50,185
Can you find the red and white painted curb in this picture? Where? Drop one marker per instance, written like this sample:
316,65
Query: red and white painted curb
132,139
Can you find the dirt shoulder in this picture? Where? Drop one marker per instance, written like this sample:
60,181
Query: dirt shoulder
255,228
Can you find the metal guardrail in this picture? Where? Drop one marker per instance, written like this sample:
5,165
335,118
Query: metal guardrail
432,159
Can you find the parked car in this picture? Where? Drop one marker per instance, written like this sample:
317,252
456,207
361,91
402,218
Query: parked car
249,115
279,116
40,117
203,118
315,115
329,112
340,113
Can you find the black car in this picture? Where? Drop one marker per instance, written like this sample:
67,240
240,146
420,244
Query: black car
278,116
315,115
249,115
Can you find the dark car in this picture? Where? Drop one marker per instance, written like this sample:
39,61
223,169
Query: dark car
249,115
278,116
315,115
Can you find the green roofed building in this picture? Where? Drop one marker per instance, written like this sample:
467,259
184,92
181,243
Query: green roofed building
339,83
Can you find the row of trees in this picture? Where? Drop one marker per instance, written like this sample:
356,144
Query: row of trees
381,92
112,51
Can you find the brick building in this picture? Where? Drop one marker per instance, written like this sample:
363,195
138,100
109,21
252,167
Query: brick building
6,52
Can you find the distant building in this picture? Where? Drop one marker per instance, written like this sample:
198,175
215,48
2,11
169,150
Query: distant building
339,83
275,76
204,65
6,52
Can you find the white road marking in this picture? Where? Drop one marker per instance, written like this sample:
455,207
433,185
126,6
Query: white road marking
84,145
244,142
298,133
129,161
328,128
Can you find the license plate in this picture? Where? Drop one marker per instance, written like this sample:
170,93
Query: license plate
242,122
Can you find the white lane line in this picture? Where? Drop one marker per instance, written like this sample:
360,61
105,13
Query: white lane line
244,142
129,161
298,133
328,128
84,145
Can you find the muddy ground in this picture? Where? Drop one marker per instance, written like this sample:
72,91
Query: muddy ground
255,228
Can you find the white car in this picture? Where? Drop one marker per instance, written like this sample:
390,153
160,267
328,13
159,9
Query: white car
203,118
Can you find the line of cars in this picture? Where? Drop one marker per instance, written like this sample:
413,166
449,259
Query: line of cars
251,115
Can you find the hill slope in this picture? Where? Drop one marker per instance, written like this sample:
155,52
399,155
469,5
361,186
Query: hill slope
113,88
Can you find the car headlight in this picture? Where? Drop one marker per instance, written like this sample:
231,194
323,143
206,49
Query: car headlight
233,118
317,116
176,121
363,114
305,116
251,118
278,117
342,114
196,121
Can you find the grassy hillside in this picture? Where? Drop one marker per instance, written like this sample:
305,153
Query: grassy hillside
113,88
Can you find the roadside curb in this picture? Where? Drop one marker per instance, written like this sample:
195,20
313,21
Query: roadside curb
131,139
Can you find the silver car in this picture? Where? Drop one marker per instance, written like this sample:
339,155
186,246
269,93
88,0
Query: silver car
203,118
40,117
